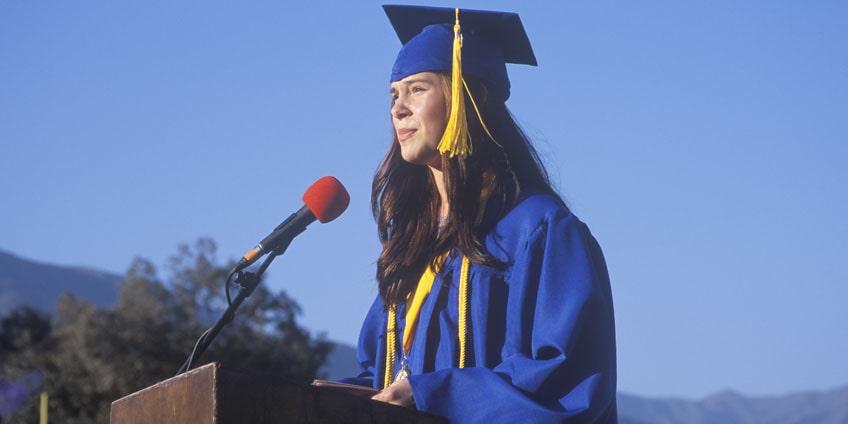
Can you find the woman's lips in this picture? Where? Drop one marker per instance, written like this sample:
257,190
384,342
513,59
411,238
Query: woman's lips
404,133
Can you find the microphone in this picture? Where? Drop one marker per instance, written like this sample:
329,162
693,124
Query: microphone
324,200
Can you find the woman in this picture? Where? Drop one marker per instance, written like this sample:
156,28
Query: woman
494,301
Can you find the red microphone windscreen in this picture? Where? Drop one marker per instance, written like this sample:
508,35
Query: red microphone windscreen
326,198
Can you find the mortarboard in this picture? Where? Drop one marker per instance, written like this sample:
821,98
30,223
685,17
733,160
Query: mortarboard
480,43
490,40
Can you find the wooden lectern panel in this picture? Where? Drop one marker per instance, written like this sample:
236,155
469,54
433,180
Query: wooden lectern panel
212,394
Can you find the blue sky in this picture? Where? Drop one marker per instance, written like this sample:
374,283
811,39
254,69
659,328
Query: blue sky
703,142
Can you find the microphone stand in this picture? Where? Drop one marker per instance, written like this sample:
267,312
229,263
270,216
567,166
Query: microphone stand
247,282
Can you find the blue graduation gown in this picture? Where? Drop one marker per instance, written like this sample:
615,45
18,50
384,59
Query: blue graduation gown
542,328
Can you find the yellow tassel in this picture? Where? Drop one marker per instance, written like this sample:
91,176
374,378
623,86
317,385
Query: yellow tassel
456,140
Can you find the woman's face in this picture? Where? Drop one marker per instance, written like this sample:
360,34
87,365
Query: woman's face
419,116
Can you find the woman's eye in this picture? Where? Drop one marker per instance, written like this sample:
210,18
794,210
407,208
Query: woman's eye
418,89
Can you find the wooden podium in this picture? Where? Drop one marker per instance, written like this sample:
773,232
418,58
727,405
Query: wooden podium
212,394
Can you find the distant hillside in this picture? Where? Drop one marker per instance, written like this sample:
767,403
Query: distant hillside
24,282
830,407
40,285
341,363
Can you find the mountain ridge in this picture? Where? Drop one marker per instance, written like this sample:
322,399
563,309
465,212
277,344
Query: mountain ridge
23,281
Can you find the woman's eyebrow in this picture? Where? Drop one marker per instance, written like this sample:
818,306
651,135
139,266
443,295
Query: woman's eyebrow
416,81
410,82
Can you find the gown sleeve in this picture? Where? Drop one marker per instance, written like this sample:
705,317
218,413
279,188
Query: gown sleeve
371,344
558,358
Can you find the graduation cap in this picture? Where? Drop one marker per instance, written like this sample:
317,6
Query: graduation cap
490,40
461,41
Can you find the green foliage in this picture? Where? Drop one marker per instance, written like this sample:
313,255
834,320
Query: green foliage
90,357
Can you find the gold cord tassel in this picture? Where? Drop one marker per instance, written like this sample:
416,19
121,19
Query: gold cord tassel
391,346
456,140
464,330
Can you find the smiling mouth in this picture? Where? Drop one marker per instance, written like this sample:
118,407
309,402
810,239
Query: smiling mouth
404,133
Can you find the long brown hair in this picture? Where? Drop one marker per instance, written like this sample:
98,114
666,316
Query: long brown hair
481,188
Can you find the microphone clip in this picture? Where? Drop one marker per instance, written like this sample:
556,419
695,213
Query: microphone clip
247,280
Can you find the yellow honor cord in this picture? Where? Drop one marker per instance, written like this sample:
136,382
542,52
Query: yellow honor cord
425,283
413,311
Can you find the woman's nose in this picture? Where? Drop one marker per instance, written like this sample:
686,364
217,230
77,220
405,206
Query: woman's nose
399,108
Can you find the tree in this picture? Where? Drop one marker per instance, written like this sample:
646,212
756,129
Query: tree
23,333
92,357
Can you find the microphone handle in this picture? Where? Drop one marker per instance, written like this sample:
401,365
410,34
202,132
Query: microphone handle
292,226
279,239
